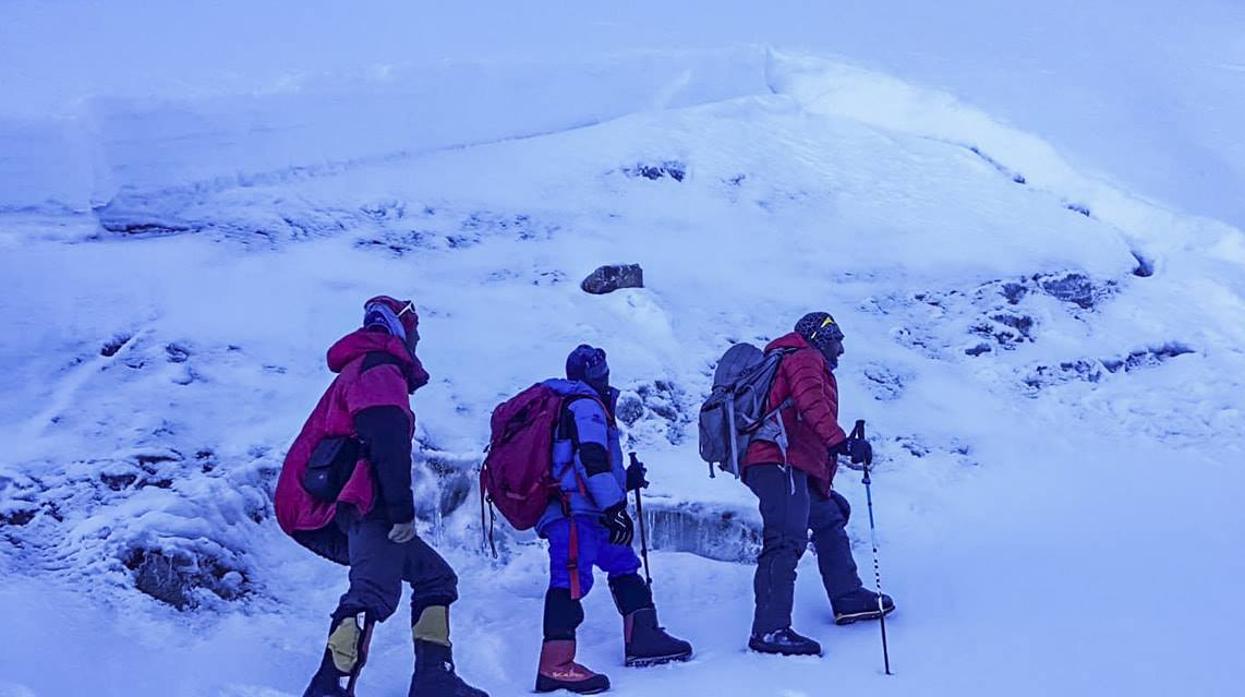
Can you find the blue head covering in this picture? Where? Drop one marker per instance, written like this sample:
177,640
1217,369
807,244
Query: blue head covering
588,365
380,315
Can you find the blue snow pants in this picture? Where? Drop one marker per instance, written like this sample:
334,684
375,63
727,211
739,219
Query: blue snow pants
595,550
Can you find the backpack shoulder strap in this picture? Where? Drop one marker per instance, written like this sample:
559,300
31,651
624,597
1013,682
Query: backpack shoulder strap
566,419
566,429
782,352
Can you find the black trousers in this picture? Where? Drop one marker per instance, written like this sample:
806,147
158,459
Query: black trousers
790,510
378,567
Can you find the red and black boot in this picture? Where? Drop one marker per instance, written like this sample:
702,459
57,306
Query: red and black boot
559,671
646,643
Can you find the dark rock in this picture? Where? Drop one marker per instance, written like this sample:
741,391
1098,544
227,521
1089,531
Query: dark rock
1014,292
1071,288
1021,323
461,241
113,345
629,409
1145,266
1093,371
174,578
177,353
612,277
117,482
914,447
384,210
1007,329
146,460
1016,177
661,408
18,518
206,457
670,168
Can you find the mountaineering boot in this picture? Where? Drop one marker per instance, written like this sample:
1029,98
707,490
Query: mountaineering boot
860,604
327,680
344,656
435,676
434,656
559,671
648,644
786,642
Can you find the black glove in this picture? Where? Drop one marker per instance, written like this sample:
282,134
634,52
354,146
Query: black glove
635,476
860,452
618,522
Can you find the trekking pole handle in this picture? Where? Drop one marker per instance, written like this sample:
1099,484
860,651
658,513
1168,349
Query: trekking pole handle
858,431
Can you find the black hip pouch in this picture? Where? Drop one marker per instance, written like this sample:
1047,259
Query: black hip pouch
331,464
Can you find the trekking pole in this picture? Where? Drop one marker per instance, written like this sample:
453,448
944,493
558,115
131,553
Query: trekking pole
859,432
639,511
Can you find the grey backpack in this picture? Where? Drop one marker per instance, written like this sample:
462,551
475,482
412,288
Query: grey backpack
734,413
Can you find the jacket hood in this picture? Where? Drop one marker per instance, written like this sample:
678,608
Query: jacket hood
795,341
362,342
567,388
790,341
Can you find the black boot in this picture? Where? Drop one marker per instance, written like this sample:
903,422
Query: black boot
785,642
327,682
648,644
435,676
860,604
344,655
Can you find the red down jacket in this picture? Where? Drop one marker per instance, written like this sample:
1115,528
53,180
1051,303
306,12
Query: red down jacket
812,421
354,390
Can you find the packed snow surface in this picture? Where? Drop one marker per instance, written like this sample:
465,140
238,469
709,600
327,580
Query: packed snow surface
1050,365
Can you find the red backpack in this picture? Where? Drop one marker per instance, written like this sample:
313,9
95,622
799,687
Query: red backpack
517,474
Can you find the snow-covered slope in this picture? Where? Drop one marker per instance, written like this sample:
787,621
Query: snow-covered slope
1146,93
1050,366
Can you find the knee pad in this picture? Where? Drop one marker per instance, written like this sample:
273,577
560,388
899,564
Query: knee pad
563,614
348,641
844,507
433,625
